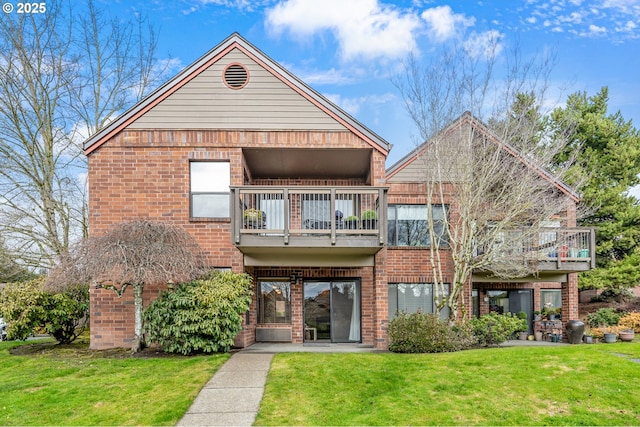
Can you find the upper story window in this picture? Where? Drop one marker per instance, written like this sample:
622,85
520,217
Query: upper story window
408,224
210,189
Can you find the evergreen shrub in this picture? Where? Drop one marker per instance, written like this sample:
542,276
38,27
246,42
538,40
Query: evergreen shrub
28,307
494,329
426,333
203,316
603,317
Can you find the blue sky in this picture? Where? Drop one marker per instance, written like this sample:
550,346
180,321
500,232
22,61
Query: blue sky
349,50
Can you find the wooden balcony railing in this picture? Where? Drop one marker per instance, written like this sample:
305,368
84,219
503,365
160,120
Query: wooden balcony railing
309,216
553,249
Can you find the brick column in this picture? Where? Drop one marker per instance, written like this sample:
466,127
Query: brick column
381,297
570,298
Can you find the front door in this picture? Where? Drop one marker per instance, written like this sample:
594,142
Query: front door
332,310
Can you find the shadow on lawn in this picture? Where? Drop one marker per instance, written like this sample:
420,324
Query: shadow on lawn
80,349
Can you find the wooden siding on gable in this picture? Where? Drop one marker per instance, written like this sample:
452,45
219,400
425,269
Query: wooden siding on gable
451,155
265,103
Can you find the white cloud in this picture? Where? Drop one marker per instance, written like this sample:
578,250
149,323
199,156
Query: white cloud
331,76
596,30
354,105
486,44
623,6
362,28
445,24
628,26
244,5
596,18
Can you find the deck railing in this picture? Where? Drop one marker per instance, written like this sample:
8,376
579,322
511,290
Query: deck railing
557,245
303,211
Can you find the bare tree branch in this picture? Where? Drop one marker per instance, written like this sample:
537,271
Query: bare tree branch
492,179
63,76
133,254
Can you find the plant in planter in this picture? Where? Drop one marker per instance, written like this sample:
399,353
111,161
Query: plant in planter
253,218
351,222
609,335
537,316
627,335
554,313
588,335
523,330
369,220
630,321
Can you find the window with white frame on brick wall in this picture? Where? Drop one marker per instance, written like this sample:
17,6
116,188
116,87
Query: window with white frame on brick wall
209,187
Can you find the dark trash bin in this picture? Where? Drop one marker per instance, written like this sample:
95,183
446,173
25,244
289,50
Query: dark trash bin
575,331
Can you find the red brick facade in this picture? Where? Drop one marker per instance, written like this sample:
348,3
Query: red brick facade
145,173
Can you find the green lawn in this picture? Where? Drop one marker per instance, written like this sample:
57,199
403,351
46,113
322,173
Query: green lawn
74,386
563,385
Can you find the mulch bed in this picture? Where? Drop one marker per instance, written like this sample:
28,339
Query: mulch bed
81,349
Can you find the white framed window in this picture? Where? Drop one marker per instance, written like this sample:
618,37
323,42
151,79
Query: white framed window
209,189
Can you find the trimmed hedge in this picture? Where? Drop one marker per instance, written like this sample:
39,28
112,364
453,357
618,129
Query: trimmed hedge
201,316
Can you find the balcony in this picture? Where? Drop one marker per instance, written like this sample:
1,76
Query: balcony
308,226
549,251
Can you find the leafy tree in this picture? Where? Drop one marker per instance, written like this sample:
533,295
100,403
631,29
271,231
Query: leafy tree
63,75
201,316
132,254
609,162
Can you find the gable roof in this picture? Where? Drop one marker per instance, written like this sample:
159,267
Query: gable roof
474,122
235,41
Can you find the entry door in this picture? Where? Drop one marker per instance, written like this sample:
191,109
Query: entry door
332,311
522,300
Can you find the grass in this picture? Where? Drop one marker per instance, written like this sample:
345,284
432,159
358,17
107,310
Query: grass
564,385
71,385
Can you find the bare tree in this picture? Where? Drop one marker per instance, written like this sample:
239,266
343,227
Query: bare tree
63,76
491,181
133,254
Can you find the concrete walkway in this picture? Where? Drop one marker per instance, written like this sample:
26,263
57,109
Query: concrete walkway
232,397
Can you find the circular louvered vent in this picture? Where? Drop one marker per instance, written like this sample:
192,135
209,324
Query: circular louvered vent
236,76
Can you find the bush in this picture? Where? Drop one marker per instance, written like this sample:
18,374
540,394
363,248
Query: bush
614,294
29,306
67,313
201,316
630,321
426,333
494,328
22,305
603,317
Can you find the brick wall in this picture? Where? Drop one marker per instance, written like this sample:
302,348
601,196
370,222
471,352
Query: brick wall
145,174
367,286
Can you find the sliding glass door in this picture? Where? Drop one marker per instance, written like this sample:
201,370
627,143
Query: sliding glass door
332,310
